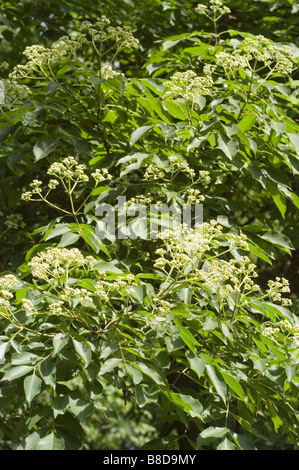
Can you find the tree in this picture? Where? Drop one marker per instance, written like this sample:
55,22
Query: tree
183,335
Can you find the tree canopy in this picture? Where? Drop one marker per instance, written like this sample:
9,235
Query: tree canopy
172,322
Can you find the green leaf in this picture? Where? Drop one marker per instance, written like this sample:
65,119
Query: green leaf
100,190
233,384
60,405
247,122
170,43
281,311
162,443
24,358
190,405
278,127
92,240
181,311
229,147
106,267
68,239
291,371
188,338
59,229
257,251
155,375
137,160
139,293
277,197
69,422
47,371
176,110
80,407
294,138
3,348
197,364
227,445
31,441
109,365
278,239
209,435
210,324
215,432
59,341
52,441
197,141
43,147
17,372
243,442
138,133
32,387
135,373
83,351
146,393
218,382
89,284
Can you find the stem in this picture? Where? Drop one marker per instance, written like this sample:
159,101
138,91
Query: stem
215,29
53,205
248,93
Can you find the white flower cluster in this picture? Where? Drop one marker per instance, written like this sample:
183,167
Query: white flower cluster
54,262
101,31
96,30
123,182
178,164
7,282
79,294
194,196
36,185
69,45
263,50
283,329
67,171
108,72
14,221
68,168
190,253
143,255
152,172
101,175
216,8
4,65
14,91
162,306
123,37
238,241
56,307
277,288
27,304
270,332
41,58
141,199
121,286
227,277
184,245
260,50
188,85
204,176
5,297
232,62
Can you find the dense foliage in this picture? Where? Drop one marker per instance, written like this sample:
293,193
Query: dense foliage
188,339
